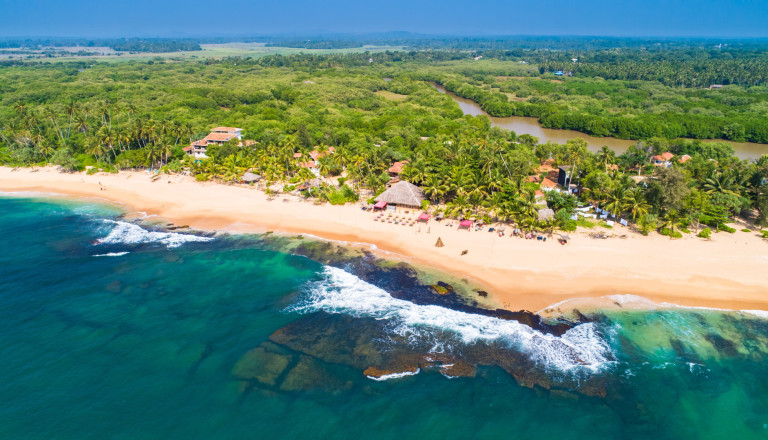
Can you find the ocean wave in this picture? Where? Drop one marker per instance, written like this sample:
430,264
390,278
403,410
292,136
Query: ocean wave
394,375
112,254
129,233
340,292
759,313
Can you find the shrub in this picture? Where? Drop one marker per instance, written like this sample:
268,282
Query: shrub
92,171
86,160
289,188
647,223
563,219
585,223
63,158
670,233
726,228
705,233
745,230
764,233
685,230
202,177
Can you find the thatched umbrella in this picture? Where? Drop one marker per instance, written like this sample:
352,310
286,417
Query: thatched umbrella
439,242
250,177
403,194
546,214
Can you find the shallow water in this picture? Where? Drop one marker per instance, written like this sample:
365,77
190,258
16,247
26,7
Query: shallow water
154,334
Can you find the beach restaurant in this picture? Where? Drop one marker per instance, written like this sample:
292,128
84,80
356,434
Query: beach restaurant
401,194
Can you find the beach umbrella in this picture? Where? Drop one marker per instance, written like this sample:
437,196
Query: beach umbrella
565,237
439,242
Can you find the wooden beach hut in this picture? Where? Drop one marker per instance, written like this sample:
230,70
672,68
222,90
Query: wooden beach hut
402,194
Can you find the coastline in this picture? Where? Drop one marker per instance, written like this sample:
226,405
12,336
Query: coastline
726,272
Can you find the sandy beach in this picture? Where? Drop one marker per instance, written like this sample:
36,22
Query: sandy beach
728,271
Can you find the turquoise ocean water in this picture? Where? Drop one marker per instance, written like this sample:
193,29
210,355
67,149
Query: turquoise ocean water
109,329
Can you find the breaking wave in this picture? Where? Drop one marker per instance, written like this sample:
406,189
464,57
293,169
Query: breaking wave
394,375
112,254
340,292
129,233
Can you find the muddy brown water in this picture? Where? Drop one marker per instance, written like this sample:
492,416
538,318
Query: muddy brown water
531,126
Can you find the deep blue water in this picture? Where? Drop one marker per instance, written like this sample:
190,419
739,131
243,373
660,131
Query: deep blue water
158,343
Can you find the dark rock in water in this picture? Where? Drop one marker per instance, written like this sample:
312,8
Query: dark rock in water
115,286
482,293
402,282
262,365
440,290
685,354
458,368
310,374
378,373
337,339
366,344
564,394
723,346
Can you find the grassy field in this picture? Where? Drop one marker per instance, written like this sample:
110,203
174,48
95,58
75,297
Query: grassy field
253,50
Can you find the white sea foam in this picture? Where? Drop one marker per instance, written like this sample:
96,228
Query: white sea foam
112,254
395,375
759,313
341,292
128,233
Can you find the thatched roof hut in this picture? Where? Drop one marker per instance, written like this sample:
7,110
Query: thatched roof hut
402,194
546,214
250,177
313,183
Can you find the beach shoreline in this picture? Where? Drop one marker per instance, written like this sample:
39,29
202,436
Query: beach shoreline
726,272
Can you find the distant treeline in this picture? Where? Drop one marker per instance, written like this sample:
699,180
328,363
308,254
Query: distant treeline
502,43
310,44
153,45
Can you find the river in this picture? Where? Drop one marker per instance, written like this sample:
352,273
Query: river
531,126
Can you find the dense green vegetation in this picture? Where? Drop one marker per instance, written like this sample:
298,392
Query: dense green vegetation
618,108
155,45
140,115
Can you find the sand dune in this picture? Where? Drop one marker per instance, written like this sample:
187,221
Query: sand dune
728,271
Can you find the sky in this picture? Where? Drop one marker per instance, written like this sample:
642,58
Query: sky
195,18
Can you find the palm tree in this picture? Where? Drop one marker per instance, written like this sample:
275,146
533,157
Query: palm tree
95,148
434,188
153,153
671,222
615,200
723,183
166,149
606,156
634,202
81,122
